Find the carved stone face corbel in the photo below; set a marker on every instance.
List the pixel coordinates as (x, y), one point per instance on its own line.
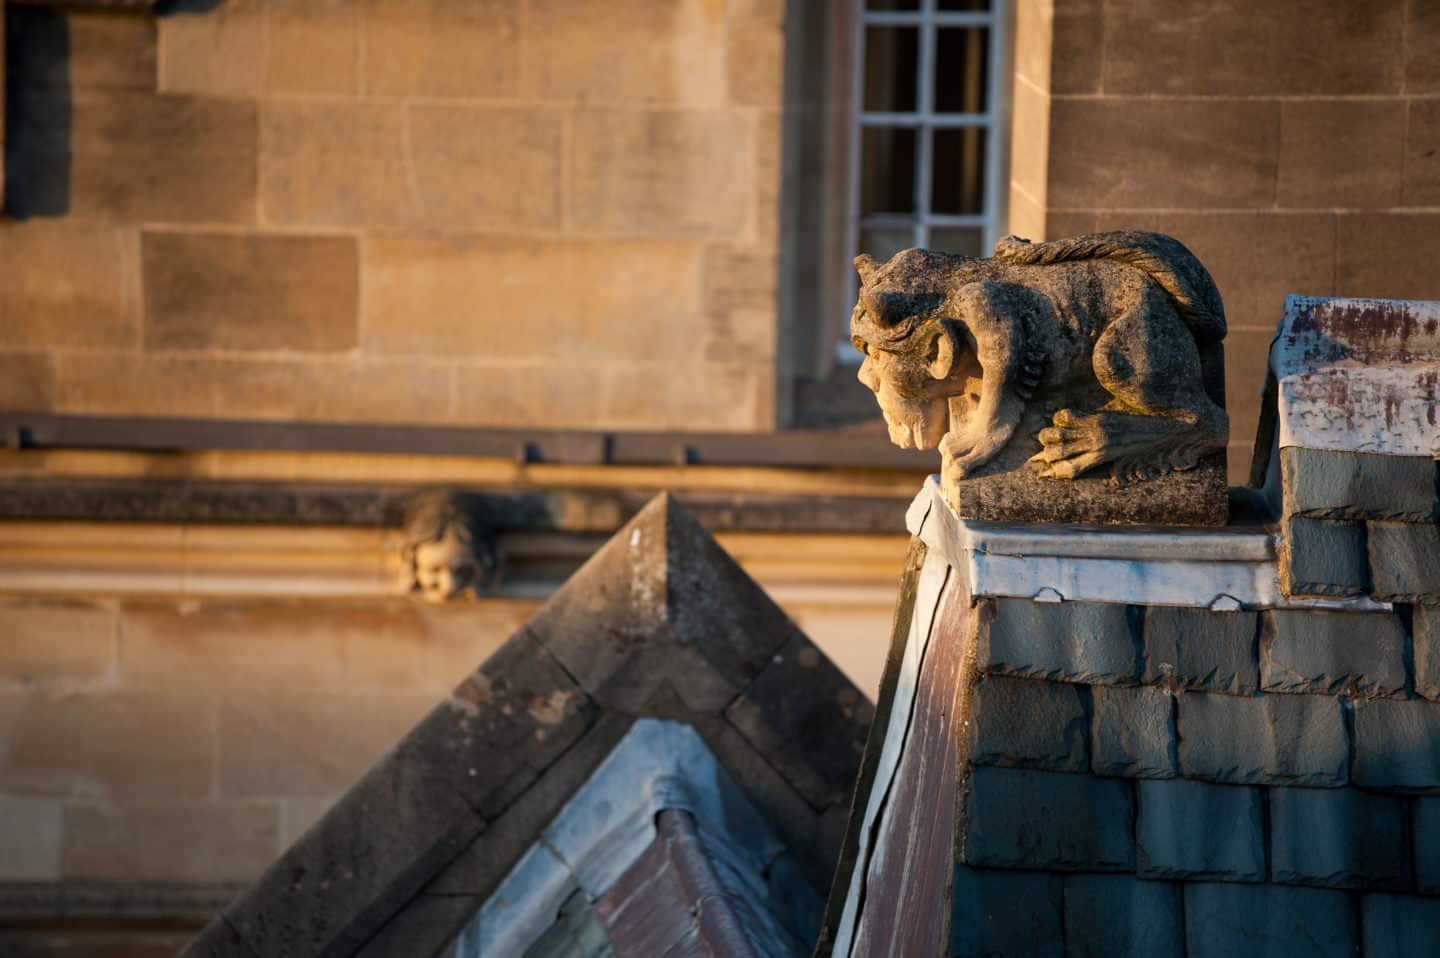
(1095, 361)
(449, 554)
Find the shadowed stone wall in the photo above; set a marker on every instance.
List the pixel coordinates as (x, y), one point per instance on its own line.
(1291, 146)
(549, 212)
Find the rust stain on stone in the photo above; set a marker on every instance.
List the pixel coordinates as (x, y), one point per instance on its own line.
(553, 708)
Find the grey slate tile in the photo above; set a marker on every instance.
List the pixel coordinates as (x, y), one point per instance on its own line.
(1195, 830)
(1018, 818)
(1425, 627)
(1324, 557)
(1005, 913)
(1028, 723)
(1339, 837)
(1263, 739)
(1336, 484)
(1313, 651)
(1071, 641)
(1426, 831)
(1400, 927)
(1108, 915)
(1397, 744)
(1200, 649)
(1132, 732)
(1268, 921)
(1405, 561)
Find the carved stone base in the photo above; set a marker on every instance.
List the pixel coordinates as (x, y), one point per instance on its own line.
(1196, 497)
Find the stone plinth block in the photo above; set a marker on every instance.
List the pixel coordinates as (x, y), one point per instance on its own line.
(1342, 837)
(1072, 641)
(1006, 913)
(1268, 921)
(1426, 630)
(1330, 484)
(1028, 723)
(1324, 557)
(1018, 818)
(1117, 915)
(1196, 648)
(1133, 732)
(1079, 380)
(1265, 739)
(1195, 830)
(1399, 927)
(1314, 651)
(1427, 844)
(1405, 561)
(1397, 745)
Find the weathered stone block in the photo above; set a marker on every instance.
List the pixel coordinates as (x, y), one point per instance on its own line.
(1425, 629)
(1194, 830)
(30, 839)
(1118, 915)
(68, 284)
(420, 295)
(338, 163)
(1314, 651)
(1422, 152)
(279, 742)
(1397, 744)
(441, 48)
(1196, 648)
(1341, 153)
(45, 641)
(115, 53)
(250, 292)
(1018, 818)
(312, 47)
(1327, 484)
(1324, 557)
(674, 173)
(466, 158)
(1006, 913)
(1405, 561)
(1073, 641)
(1268, 921)
(193, 841)
(1028, 724)
(648, 51)
(1427, 844)
(130, 744)
(1376, 250)
(1275, 739)
(806, 718)
(1341, 837)
(1230, 146)
(219, 52)
(1399, 927)
(27, 382)
(1133, 732)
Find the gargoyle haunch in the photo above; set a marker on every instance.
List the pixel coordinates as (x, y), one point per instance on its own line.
(1108, 345)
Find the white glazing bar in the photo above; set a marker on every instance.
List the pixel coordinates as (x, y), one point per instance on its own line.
(941, 120)
(941, 18)
(925, 134)
(994, 151)
(845, 353)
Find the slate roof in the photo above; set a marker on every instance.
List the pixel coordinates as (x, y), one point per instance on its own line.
(659, 625)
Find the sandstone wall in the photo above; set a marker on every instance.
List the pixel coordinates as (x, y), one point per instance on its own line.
(489, 212)
(1292, 146)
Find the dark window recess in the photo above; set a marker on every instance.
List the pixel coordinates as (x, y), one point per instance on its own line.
(888, 162)
(890, 63)
(961, 70)
(958, 171)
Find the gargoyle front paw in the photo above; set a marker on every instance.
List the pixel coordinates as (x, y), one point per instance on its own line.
(963, 453)
(1073, 445)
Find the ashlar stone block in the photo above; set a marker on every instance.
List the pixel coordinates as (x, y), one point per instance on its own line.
(1357, 485)
(1264, 739)
(1133, 732)
(1425, 630)
(1195, 830)
(1426, 831)
(1330, 652)
(1399, 927)
(1340, 837)
(1197, 648)
(1397, 744)
(1324, 557)
(1405, 561)
(1029, 724)
(1018, 818)
(1070, 641)
(1006, 913)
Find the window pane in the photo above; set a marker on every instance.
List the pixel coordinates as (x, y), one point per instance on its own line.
(961, 70)
(958, 184)
(962, 5)
(887, 164)
(890, 54)
(883, 242)
(965, 240)
(894, 4)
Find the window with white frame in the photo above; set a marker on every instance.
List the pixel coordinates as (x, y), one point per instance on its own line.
(925, 148)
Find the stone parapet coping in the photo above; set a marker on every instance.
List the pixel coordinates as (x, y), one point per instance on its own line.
(1224, 570)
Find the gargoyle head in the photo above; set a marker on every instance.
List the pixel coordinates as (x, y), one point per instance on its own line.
(917, 354)
(449, 553)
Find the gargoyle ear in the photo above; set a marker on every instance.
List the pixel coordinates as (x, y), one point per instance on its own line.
(866, 265)
(941, 350)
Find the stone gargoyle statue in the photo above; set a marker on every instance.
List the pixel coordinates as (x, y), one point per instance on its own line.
(1097, 357)
(448, 553)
